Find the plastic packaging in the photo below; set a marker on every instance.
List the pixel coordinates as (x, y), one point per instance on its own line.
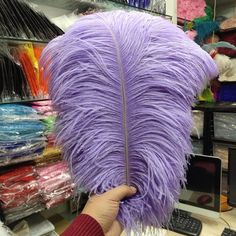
(198, 121)
(19, 193)
(21, 133)
(221, 150)
(197, 146)
(55, 183)
(20, 212)
(225, 126)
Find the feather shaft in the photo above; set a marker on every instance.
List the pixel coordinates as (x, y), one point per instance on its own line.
(124, 106)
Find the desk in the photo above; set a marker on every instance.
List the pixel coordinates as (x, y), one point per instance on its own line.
(213, 227)
(210, 227)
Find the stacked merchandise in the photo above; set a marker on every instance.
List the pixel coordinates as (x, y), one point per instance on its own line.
(26, 133)
(28, 189)
(19, 70)
(55, 183)
(216, 35)
(226, 61)
(52, 153)
(21, 134)
(54, 178)
(34, 225)
(19, 193)
(85, 7)
(18, 19)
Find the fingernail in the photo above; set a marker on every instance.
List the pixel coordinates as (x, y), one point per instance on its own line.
(133, 189)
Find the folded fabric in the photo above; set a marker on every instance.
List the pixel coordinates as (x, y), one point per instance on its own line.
(55, 183)
(20, 212)
(228, 23)
(16, 175)
(19, 194)
(188, 9)
(227, 92)
(36, 225)
(19, 110)
(229, 37)
(5, 231)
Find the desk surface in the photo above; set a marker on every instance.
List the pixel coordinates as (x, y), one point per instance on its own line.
(210, 227)
(214, 227)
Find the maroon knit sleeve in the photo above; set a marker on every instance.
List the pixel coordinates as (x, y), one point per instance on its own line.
(84, 225)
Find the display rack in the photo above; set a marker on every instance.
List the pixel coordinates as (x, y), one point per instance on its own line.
(24, 101)
(71, 5)
(208, 124)
(22, 40)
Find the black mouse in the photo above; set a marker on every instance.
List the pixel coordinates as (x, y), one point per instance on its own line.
(204, 199)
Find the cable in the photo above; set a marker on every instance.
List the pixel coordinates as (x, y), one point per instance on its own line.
(225, 221)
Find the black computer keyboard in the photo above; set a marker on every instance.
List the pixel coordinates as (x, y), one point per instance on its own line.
(181, 222)
(228, 232)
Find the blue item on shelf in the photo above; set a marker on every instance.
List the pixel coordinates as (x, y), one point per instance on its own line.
(227, 92)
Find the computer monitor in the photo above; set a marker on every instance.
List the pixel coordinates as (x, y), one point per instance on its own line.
(203, 188)
(232, 177)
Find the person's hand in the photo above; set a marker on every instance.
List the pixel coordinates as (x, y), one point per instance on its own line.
(105, 207)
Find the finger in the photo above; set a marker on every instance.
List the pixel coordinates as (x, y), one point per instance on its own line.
(115, 229)
(118, 193)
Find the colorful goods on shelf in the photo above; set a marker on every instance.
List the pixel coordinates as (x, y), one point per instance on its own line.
(21, 134)
(19, 70)
(19, 193)
(52, 152)
(188, 9)
(27, 189)
(55, 183)
(20, 20)
(218, 38)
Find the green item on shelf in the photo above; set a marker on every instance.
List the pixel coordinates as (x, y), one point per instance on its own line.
(208, 17)
(207, 95)
(49, 122)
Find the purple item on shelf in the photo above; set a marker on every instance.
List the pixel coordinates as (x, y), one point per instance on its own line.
(123, 85)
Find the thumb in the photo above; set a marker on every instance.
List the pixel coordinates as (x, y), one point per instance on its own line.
(120, 192)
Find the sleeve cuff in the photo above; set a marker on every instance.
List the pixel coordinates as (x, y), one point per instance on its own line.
(84, 225)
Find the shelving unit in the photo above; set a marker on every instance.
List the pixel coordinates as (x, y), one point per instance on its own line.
(209, 138)
(22, 40)
(70, 5)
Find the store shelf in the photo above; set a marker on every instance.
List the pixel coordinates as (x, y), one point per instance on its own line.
(24, 101)
(18, 161)
(71, 5)
(221, 2)
(196, 138)
(22, 40)
(140, 9)
(227, 30)
(223, 141)
(216, 107)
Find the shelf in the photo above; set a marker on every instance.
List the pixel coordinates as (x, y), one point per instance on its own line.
(140, 9)
(225, 171)
(227, 30)
(224, 141)
(25, 101)
(221, 2)
(18, 161)
(196, 138)
(71, 5)
(22, 40)
(216, 107)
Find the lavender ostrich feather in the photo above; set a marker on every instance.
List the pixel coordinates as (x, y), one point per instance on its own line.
(123, 84)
